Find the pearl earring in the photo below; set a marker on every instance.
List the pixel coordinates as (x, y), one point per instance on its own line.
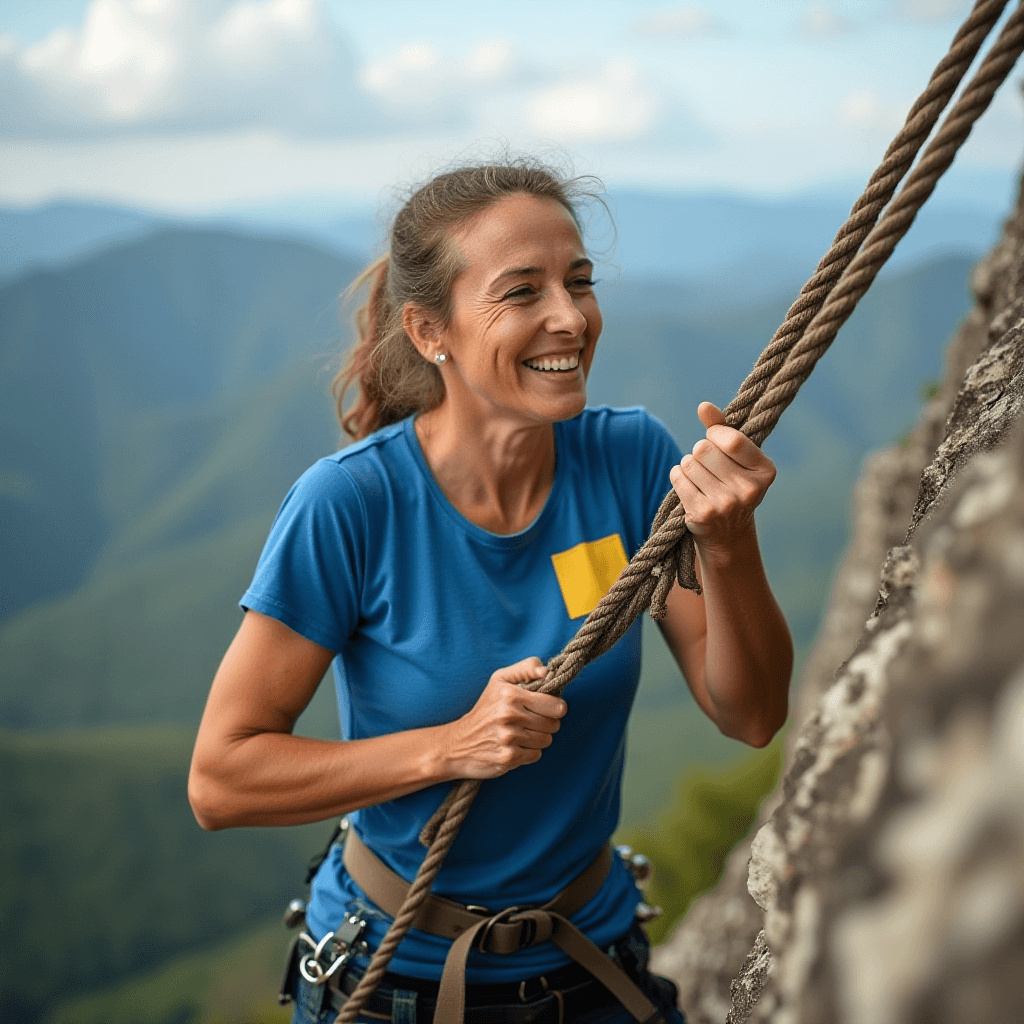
(440, 359)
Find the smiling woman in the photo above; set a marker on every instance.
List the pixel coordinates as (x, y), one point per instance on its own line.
(518, 344)
(482, 512)
(413, 284)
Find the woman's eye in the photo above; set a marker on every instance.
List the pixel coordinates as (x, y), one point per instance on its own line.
(526, 291)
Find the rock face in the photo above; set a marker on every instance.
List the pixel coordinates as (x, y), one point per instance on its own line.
(888, 874)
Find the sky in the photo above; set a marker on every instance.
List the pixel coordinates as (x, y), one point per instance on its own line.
(194, 106)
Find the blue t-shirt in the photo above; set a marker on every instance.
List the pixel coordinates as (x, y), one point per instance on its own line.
(369, 559)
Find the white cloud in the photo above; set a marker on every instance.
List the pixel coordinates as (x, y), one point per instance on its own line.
(865, 109)
(414, 65)
(679, 23)
(860, 106)
(612, 105)
(491, 62)
(822, 21)
(932, 10)
(419, 79)
(145, 65)
(492, 88)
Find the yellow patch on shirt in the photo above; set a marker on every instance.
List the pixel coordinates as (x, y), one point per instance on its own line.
(586, 572)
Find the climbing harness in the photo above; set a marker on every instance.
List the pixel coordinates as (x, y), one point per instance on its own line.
(859, 250)
(324, 962)
(557, 997)
(504, 931)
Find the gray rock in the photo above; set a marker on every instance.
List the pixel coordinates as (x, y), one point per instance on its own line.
(707, 950)
(746, 990)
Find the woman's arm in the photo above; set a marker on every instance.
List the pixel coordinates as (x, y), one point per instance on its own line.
(732, 642)
(248, 769)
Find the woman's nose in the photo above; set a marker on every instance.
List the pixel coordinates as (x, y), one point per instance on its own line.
(563, 315)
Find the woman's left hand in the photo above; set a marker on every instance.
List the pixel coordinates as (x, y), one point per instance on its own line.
(721, 483)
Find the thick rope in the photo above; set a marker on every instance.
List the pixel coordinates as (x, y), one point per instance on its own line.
(830, 296)
(859, 273)
(880, 188)
(895, 223)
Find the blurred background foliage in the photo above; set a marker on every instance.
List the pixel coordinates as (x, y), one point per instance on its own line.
(710, 811)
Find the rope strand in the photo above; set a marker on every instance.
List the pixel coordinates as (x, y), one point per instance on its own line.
(880, 189)
(894, 224)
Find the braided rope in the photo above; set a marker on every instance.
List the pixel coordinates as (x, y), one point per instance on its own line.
(894, 224)
(880, 188)
(811, 325)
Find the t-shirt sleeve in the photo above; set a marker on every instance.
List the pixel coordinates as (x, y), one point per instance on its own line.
(660, 454)
(310, 573)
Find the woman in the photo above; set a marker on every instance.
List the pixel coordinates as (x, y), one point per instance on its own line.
(481, 515)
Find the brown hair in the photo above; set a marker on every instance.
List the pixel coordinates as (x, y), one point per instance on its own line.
(391, 377)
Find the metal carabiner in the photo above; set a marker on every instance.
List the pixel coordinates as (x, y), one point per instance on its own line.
(309, 965)
(346, 942)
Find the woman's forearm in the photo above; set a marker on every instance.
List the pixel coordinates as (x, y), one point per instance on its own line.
(272, 778)
(748, 654)
(733, 645)
(248, 768)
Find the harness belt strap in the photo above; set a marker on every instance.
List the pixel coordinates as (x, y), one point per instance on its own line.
(449, 919)
(503, 932)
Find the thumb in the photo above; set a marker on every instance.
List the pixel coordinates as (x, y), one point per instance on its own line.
(710, 415)
(524, 671)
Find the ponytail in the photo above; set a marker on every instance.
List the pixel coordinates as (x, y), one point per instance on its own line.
(362, 367)
(392, 380)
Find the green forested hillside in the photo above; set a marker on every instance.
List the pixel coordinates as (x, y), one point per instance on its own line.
(105, 873)
(664, 348)
(187, 472)
(232, 982)
(153, 373)
(156, 402)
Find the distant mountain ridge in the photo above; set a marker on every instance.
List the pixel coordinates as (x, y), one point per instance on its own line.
(130, 375)
(46, 236)
(743, 249)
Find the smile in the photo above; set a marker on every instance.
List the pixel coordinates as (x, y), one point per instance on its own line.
(549, 365)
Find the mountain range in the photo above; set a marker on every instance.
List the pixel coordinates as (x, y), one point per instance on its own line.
(159, 398)
(720, 241)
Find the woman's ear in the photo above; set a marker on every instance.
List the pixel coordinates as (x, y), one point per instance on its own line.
(422, 330)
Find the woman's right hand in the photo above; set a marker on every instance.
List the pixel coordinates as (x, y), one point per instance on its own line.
(508, 726)
(248, 768)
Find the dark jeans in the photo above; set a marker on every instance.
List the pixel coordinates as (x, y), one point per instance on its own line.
(312, 1008)
(308, 1003)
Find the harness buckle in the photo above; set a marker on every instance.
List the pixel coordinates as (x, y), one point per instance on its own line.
(499, 918)
(529, 932)
(529, 920)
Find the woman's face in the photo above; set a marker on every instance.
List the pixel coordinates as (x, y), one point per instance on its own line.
(524, 317)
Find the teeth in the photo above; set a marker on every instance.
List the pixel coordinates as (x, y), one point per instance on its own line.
(547, 363)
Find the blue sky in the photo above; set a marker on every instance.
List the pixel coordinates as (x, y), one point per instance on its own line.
(198, 105)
